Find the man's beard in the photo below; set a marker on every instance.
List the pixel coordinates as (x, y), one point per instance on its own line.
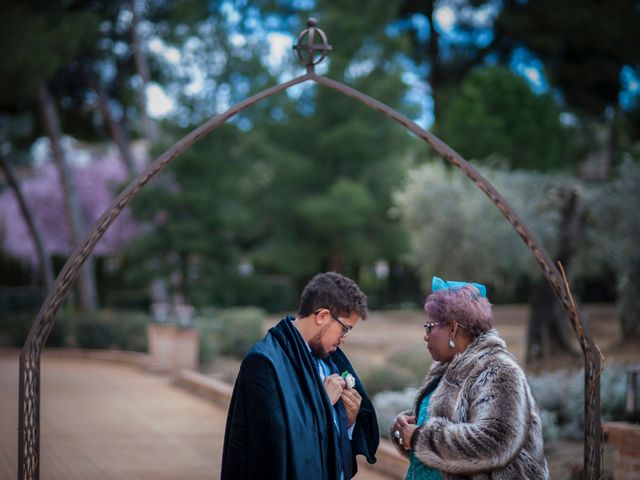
(316, 345)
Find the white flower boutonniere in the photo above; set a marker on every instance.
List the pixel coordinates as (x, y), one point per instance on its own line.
(349, 379)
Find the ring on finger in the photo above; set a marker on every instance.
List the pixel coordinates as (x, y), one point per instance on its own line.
(397, 435)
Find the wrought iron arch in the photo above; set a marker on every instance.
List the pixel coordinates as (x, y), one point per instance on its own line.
(310, 54)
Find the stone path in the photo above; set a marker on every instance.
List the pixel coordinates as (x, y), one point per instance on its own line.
(102, 420)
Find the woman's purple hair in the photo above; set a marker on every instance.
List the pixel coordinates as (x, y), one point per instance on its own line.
(464, 305)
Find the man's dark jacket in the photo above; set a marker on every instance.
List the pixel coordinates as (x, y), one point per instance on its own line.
(280, 420)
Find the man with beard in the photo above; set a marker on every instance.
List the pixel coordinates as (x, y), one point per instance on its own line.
(292, 414)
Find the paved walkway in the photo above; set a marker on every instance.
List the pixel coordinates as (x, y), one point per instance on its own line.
(102, 420)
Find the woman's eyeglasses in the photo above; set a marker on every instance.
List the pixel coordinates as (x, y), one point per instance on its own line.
(429, 326)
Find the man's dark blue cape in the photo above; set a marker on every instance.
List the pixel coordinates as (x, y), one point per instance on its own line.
(280, 420)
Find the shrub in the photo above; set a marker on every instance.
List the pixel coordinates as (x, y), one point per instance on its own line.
(416, 361)
(561, 395)
(550, 391)
(389, 404)
(117, 329)
(208, 340)
(15, 327)
(21, 299)
(122, 330)
(388, 377)
(550, 428)
(94, 334)
(231, 331)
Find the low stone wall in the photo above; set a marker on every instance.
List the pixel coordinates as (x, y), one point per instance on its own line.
(625, 440)
(117, 356)
(172, 348)
(205, 387)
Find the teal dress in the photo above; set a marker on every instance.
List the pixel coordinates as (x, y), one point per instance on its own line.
(417, 469)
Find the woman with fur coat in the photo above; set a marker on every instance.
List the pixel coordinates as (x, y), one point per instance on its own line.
(475, 417)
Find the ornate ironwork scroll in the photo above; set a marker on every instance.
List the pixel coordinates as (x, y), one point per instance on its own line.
(309, 53)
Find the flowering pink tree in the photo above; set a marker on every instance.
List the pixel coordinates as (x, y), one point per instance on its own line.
(97, 184)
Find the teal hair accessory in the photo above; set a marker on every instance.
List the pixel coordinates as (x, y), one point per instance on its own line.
(438, 284)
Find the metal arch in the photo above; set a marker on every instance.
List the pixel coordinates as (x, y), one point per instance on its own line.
(29, 422)
(30, 355)
(593, 434)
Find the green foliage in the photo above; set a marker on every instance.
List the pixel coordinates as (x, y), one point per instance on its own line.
(334, 162)
(37, 40)
(415, 361)
(404, 368)
(291, 188)
(583, 43)
(496, 113)
(208, 342)
(15, 326)
(20, 299)
(340, 217)
(387, 377)
(456, 232)
(110, 329)
(614, 242)
(231, 331)
(206, 212)
(104, 329)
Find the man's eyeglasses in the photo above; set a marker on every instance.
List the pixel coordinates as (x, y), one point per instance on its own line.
(429, 326)
(346, 329)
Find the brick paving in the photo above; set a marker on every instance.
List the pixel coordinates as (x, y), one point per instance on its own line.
(102, 420)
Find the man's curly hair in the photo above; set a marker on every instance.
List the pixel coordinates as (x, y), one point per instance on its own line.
(333, 291)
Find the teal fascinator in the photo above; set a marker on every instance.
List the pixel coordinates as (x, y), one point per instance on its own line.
(439, 284)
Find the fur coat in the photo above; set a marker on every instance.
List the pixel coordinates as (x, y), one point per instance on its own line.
(483, 421)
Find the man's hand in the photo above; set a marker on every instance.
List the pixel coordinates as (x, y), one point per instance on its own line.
(334, 385)
(351, 400)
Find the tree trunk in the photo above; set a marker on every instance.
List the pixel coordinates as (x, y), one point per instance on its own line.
(434, 58)
(548, 332)
(44, 261)
(86, 285)
(335, 263)
(117, 133)
(612, 144)
(149, 127)
(629, 302)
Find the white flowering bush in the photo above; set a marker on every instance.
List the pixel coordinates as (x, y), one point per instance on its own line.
(549, 389)
(389, 404)
(560, 396)
(550, 428)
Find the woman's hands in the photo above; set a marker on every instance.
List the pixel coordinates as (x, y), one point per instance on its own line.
(403, 429)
